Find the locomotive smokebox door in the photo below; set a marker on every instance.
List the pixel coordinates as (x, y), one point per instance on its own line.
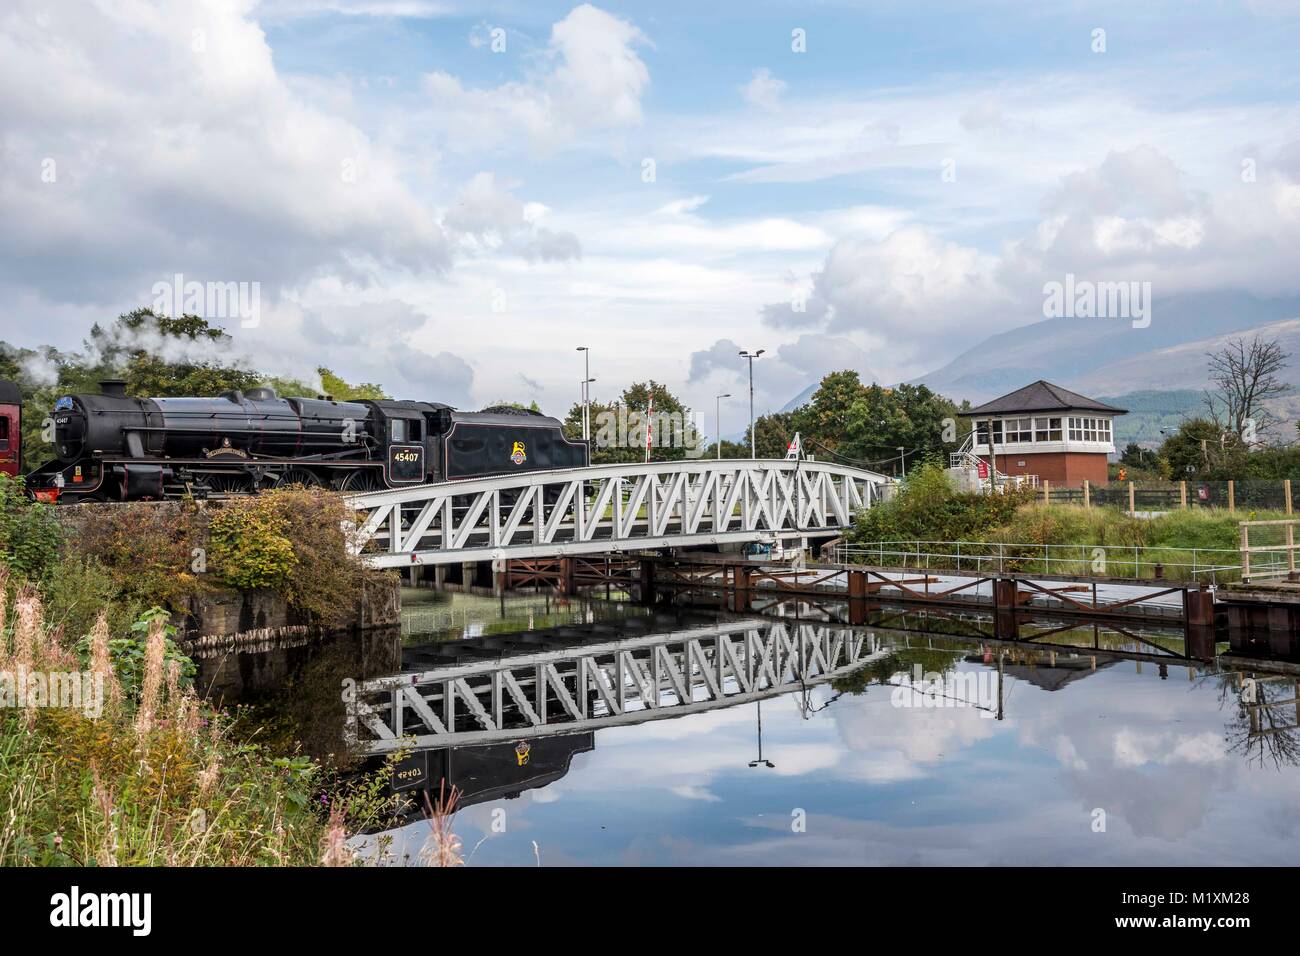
(405, 463)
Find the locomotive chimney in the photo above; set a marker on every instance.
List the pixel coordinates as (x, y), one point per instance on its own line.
(113, 387)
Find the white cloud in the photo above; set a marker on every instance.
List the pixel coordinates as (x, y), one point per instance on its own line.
(174, 146)
(589, 78)
(763, 90)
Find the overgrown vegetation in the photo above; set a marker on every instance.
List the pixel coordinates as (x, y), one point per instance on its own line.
(1015, 527)
(927, 507)
(154, 779)
(135, 556)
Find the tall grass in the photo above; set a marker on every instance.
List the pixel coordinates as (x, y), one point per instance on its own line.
(156, 781)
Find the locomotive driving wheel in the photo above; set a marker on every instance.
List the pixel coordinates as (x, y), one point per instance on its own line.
(298, 476)
(363, 479)
(228, 483)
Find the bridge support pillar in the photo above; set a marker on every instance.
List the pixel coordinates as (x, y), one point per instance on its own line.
(647, 595)
(740, 588)
(568, 585)
(857, 597)
(1198, 621)
(1005, 599)
(440, 576)
(468, 569)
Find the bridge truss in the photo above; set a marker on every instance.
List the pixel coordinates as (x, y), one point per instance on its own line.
(592, 686)
(609, 508)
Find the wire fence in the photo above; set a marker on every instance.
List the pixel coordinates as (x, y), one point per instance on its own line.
(1137, 562)
(1158, 496)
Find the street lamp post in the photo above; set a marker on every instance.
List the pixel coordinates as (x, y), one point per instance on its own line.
(586, 404)
(717, 420)
(586, 417)
(753, 444)
(902, 457)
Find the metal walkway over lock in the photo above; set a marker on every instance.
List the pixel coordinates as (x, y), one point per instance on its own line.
(591, 686)
(607, 508)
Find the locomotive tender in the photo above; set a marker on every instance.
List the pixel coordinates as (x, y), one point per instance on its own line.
(113, 447)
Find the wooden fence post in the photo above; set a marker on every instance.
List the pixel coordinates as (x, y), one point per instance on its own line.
(1182, 494)
(1132, 507)
(1286, 490)
(1232, 495)
(1047, 492)
(1290, 552)
(1245, 553)
(1087, 494)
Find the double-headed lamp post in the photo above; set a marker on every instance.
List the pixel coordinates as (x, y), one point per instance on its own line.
(586, 379)
(717, 419)
(753, 444)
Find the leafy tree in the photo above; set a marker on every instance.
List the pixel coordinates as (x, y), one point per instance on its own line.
(1202, 449)
(864, 424)
(1133, 454)
(618, 429)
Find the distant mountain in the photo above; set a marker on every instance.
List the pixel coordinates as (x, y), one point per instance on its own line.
(803, 398)
(1153, 414)
(1186, 365)
(1069, 351)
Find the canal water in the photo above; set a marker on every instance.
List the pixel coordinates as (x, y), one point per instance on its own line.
(999, 756)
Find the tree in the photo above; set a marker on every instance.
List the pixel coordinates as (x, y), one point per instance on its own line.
(618, 428)
(864, 424)
(1244, 375)
(1201, 448)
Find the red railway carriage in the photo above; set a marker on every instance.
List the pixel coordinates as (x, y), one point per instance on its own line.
(11, 433)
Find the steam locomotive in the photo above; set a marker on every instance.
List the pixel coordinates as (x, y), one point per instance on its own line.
(112, 447)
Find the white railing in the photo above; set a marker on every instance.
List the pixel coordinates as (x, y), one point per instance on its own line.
(620, 507)
(1076, 560)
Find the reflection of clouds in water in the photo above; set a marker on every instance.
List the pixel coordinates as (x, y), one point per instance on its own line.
(1148, 752)
(689, 792)
(1134, 748)
(889, 785)
(879, 735)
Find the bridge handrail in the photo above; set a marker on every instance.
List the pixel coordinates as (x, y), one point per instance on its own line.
(529, 479)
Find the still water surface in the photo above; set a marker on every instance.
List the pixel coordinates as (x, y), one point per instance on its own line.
(1117, 763)
(861, 773)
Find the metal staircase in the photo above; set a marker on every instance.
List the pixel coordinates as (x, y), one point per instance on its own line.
(965, 459)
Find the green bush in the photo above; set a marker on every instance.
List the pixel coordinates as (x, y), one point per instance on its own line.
(77, 588)
(248, 547)
(30, 534)
(927, 508)
(147, 550)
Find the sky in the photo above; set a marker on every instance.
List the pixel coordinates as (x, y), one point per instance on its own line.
(450, 198)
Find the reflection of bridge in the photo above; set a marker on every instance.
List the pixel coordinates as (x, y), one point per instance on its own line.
(582, 688)
(609, 508)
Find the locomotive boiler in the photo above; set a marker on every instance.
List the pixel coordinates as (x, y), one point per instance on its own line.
(111, 446)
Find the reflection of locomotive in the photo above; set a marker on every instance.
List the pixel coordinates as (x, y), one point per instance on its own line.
(488, 772)
(111, 446)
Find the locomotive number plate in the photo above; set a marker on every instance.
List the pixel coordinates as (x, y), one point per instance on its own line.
(406, 463)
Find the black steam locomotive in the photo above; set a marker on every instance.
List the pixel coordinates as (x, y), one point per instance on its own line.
(111, 447)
